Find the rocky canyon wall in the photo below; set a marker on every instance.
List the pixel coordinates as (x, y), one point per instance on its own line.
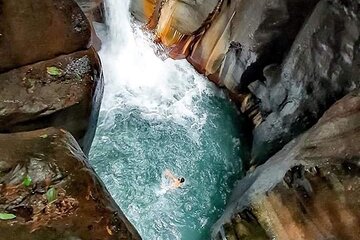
(51, 86)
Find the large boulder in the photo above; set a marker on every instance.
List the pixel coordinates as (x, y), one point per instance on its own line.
(322, 66)
(309, 190)
(63, 92)
(95, 12)
(245, 37)
(36, 30)
(52, 192)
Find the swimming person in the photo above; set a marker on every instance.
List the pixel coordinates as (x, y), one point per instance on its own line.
(175, 182)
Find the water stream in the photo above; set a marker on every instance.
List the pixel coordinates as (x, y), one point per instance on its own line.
(157, 115)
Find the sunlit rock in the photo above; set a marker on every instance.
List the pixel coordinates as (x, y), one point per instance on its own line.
(63, 92)
(143, 10)
(52, 192)
(309, 190)
(322, 66)
(175, 22)
(36, 30)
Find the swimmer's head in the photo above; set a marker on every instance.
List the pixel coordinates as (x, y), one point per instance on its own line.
(181, 180)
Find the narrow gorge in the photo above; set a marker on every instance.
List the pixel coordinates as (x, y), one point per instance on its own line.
(106, 104)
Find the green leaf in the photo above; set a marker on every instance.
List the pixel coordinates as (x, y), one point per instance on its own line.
(54, 71)
(51, 195)
(7, 216)
(27, 181)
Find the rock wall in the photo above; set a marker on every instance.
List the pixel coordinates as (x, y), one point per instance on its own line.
(61, 198)
(309, 190)
(284, 62)
(51, 86)
(95, 12)
(49, 74)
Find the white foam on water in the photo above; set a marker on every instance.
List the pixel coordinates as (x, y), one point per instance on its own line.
(137, 78)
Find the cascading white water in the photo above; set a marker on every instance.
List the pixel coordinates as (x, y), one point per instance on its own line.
(159, 115)
(161, 89)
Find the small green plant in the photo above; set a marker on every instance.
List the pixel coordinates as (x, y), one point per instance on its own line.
(7, 216)
(51, 195)
(54, 71)
(27, 181)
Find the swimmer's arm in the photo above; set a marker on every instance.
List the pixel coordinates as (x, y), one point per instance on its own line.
(168, 174)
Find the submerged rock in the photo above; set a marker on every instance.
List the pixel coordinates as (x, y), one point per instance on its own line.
(63, 92)
(46, 182)
(322, 66)
(37, 30)
(309, 190)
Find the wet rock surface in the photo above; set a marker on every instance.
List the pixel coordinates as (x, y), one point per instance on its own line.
(37, 30)
(309, 190)
(63, 92)
(46, 182)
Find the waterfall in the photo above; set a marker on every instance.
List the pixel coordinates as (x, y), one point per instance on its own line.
(156, 115)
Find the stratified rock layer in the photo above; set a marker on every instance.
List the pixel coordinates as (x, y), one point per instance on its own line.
(79, 206)
(31, 98)
(309, 190)
(37, 30)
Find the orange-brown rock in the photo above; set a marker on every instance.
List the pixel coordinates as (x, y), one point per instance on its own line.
(36, 30)
(228, 39)
(309, 190)
(62, 198)
(32, 97)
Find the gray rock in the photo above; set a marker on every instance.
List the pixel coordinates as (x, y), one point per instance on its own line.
(322, 66)
(308, 190)
(30, 98)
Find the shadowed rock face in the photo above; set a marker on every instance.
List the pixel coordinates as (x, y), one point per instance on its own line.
(309, 190)
(31, 98)
(95, 12)
(36, 30)
(93, 9)
(80, 206)
(322, 66)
